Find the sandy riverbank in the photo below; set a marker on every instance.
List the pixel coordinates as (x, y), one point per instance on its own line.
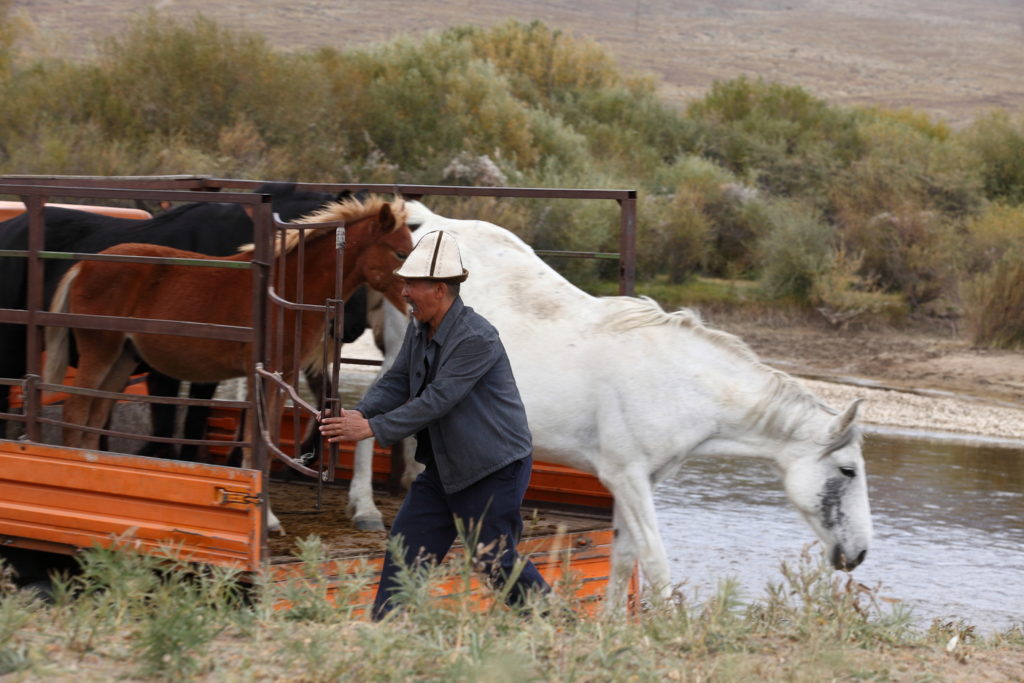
(911, 380)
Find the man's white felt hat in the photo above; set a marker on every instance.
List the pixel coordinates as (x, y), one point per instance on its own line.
(436, 257)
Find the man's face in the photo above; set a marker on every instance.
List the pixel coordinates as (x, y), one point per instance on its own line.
(424, 297)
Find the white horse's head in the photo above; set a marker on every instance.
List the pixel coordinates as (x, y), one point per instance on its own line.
(829, 487)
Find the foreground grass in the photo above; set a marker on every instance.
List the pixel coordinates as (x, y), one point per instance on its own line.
(129, 617)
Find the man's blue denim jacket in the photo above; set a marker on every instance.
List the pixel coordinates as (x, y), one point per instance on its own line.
(471, 407)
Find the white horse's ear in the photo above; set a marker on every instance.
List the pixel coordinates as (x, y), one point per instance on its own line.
(842, 423)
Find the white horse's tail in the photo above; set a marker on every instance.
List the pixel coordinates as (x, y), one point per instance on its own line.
(58, 349)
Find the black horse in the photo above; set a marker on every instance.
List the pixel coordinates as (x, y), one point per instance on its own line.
(213, 228)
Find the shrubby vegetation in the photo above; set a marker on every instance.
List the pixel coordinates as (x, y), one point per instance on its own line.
(825, 206)
(128, 615)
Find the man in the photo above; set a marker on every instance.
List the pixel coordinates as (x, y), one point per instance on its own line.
(452, 386)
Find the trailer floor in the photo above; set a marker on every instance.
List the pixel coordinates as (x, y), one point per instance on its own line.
(295, 505)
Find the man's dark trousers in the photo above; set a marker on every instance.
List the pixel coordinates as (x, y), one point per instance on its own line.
(426, 523)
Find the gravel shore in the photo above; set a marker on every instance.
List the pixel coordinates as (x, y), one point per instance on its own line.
(955, 417)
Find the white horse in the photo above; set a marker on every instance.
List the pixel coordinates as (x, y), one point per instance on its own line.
(618, 387)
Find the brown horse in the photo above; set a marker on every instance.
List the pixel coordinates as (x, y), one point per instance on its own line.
(377, 241)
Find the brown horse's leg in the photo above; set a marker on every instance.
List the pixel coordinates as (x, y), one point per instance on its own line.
(116, 380)
(98, 353)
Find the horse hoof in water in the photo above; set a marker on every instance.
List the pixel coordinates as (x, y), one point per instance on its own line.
(368, 524)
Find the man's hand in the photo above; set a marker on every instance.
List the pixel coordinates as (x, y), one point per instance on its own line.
(350, 426)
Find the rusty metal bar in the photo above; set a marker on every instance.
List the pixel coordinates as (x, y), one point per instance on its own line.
(142, 398)
(334, 383)
(167, 182)
(207, 183)
(32, 399)
(295, 360)
(154, 260)
(141, 437)
(125, 258)
(627, 246)
(360, 361)
(289, 461)
(578, 254)
(439, 190)
(176, 328)
(263, 257)
(107, 192)
(266, 439)
(285, 303)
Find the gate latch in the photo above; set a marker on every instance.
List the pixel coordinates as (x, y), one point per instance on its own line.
(227, 497)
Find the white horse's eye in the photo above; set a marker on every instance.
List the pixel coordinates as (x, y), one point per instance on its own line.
(850, 472)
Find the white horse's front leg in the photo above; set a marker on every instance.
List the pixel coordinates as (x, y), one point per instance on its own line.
(623, 562)
(361, 508)
(637, 526)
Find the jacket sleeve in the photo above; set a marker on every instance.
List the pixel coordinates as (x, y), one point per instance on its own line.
(470, 360)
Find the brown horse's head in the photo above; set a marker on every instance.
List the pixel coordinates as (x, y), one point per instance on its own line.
(385, 254)
(377, 241)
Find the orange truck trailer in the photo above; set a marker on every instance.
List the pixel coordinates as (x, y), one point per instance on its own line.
(56, 501)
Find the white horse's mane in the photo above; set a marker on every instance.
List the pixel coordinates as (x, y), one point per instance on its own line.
(784, 391)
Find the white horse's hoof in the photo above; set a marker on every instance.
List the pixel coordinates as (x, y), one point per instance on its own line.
(368, 524)
(274, 525)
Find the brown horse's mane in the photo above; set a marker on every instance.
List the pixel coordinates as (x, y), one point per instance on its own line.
(348, 210)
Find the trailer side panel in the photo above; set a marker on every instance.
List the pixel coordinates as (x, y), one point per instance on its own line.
(62, 499)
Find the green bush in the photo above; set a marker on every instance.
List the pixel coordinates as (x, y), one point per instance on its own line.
(904, 162)
(909, 251)
(989, 235)
(993, 272)
(674, 235)
(994, 302)
(787, 140)
(797, 251)
(719, 205)
(997, 139)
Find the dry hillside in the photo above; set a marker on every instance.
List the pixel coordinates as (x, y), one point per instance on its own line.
(951, 58)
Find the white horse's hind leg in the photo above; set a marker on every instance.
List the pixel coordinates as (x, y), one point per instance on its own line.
(361, 508)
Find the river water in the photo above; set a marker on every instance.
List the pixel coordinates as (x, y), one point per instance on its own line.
(948, 520)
